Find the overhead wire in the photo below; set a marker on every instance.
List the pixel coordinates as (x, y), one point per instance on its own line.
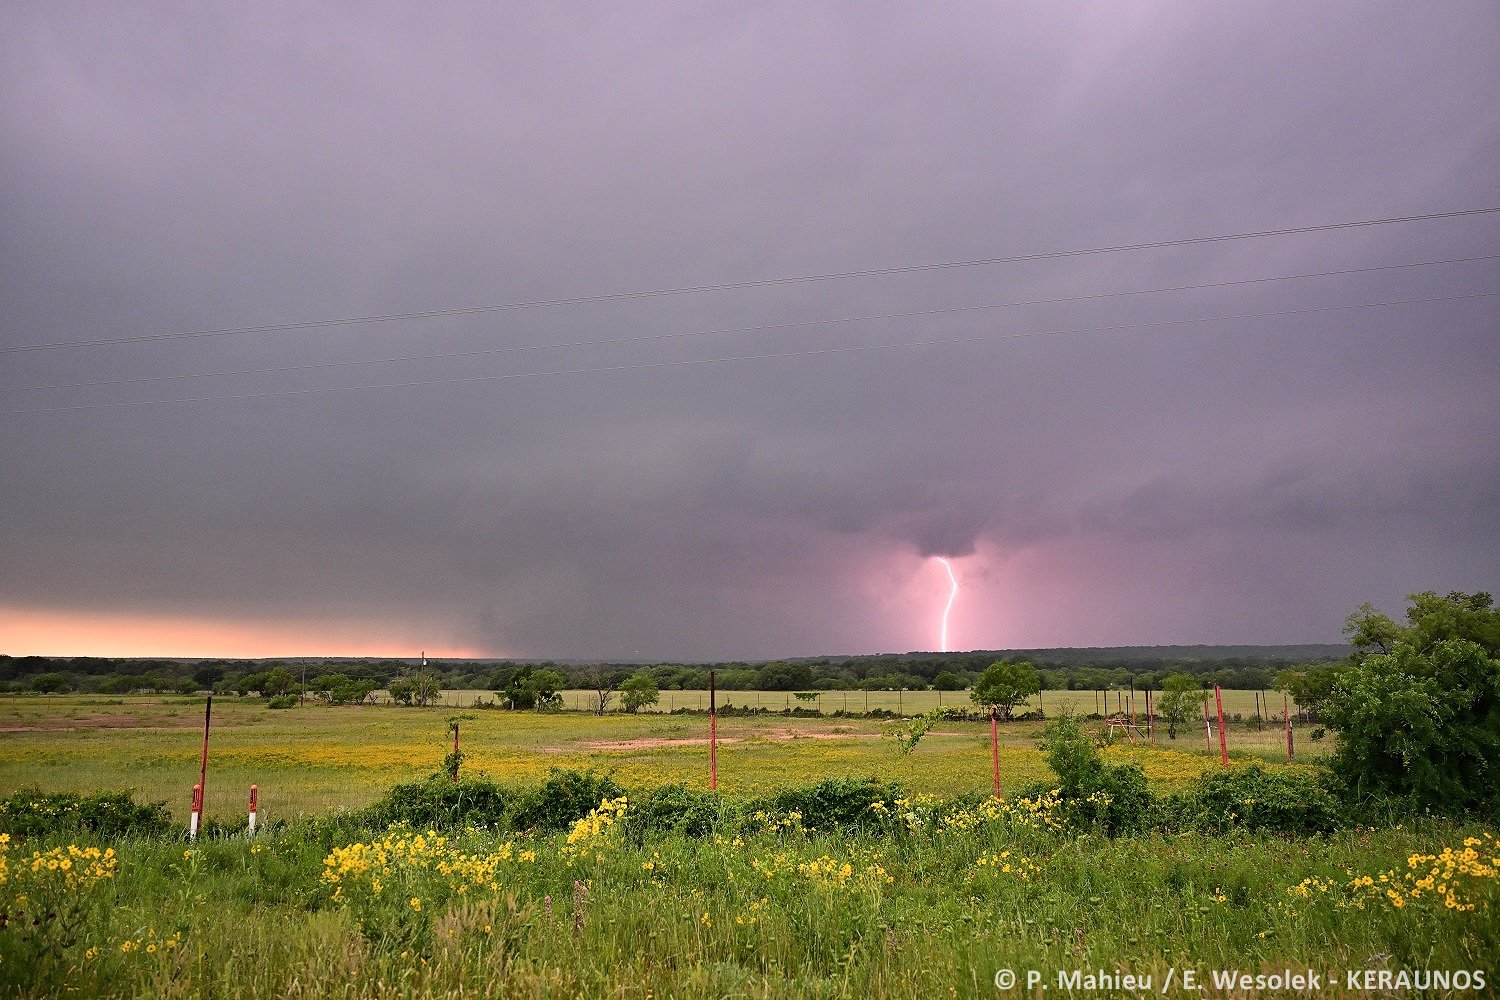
(820, 352)
(803, 324)
(753, 283)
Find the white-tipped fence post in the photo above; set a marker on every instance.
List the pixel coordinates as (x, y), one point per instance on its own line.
(197, 812)
(254, 802)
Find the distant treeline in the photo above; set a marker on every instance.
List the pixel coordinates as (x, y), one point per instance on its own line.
(1140, 667)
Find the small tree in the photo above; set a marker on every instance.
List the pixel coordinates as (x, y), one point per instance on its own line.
(949, 681)
(1180, 703)
(425, 688)
(1005, 684)
(603, 680)
(1420, 718)
(543, 689)
(639, 692)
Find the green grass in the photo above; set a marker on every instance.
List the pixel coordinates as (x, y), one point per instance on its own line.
(667, 915)
(671, 916)
(318, 759)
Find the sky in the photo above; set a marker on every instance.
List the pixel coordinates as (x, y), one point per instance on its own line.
(746, 467)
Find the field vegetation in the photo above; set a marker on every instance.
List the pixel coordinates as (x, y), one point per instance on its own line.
(569, 853)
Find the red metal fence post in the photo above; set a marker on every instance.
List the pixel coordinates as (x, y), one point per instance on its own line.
(1223, 741)
(1286, 716)
(995, 749)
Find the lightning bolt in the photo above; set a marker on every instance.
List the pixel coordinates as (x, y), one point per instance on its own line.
(951, 595)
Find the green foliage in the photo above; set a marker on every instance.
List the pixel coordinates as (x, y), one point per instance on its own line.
(676, 809)
(784, 677)
(910, 734)
(107, 814)
(542, 690)
(1112, 797)
(1294, 803)
(53, 683)
(949, 681)
(1005, 684)
(1421, 725)
(441, 804)
(1417, 712)
(283, 701)
(1180, 703)
(566, 796)
(1310, 686)
(831, 804)
(639, 691)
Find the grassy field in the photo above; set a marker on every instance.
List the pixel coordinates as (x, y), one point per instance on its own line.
(1242, 703)
(315, 759)
(937, 902)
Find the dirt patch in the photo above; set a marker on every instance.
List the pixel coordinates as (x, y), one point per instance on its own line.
(64, 725)
(657, 743)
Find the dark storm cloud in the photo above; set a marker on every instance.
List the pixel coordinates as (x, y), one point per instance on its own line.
(175, 168)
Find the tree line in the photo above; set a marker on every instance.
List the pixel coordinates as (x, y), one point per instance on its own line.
(341, 680)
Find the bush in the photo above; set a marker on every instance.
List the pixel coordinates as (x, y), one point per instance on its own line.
(108, 814)
(1418, 711)
(1114, 797)
(1285, 802)
(831, 804)
(565, 797)
(283, 701)
(676, 809)
(440, 804)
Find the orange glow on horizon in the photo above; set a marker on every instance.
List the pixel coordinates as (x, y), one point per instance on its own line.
(27, 632)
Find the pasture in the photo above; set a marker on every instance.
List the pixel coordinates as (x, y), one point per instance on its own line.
(316, 759)
(933, 893)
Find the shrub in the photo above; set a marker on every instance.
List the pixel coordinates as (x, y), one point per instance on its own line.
(676, 809)
(565, 797)
(832, 804)
(1285, 802)
(283, 701)
(109, 814)
(1418, 712)
(440, 803)
(1114, 797)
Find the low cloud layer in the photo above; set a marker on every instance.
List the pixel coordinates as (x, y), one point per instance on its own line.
(1138, 468)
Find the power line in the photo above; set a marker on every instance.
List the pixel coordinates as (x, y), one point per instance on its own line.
(751, 283)
(313, 366)
(821, 352)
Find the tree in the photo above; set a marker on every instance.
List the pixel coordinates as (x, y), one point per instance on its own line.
(1310, 686)
(949, 681)
(785, 677)
(639, 691)
(422, 688)
(1180, 702)
(400, 690)
(1418, 711)
(542, 688)
(603, 681)
(1005, 684)
(50, 683)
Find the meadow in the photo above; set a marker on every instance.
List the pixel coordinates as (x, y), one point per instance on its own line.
(934, 892)
(316, 759)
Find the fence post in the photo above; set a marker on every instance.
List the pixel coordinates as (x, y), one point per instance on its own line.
(254, 801)
(713, 735)
(1286, 715)
(1150, 719)
(1208, 729)
(1223, 740)
(995, 749)
(197, 812)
